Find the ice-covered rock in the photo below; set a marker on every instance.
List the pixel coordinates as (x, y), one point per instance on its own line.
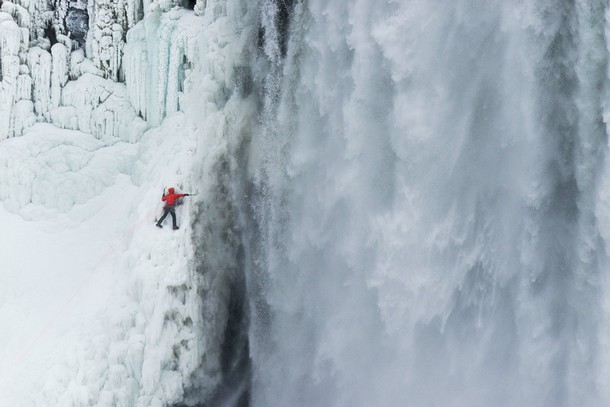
(79, 65)
(77, 24)
(18, 12)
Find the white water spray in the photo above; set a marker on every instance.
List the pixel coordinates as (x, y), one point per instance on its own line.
(426, 231)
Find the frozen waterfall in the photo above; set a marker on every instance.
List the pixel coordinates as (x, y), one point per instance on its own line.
(398, 203)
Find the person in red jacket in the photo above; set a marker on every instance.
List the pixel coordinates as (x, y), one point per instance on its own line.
(170, 203)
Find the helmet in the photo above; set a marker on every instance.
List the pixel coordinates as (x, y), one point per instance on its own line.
(171, 190)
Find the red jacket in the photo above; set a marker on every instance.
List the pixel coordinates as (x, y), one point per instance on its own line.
(170, 198)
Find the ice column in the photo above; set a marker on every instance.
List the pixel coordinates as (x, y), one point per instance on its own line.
(59, 73)
(157, 64)
(10, 37)
(39, 62)
(15, 84)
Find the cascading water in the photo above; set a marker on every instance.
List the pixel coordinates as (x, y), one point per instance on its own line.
(427, 204)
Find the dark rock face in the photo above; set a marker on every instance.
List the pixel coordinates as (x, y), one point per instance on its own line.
(77, 24)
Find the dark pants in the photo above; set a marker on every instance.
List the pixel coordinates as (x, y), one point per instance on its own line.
(172, 212)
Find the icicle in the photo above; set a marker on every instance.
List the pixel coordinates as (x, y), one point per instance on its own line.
(10, 38)
(118, 43)
(25, 39)
(39, 62)
(174, 75)
(137, 68)
(41, 73)
(155, 65)
(59, 73)
(24, 84)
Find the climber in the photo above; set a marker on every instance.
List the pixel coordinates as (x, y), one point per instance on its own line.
(170, 202)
